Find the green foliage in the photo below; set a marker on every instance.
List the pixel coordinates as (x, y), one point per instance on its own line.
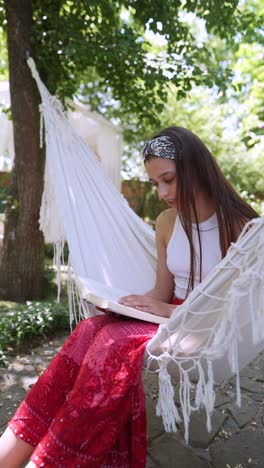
(103, 47)
(246, 58)
(10, 202)
(256, 203)
(3, 54)
(249, 68)
(76, 40)
(3, 196)
(49, 286)
(245, 172)
(4, 183)
(49, 252)
(21, 323)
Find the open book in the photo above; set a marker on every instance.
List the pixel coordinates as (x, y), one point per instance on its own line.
(107, 298)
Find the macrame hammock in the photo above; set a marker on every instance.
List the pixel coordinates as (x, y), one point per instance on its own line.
(220, 326)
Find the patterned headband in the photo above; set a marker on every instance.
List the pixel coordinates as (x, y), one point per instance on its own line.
(160, 147)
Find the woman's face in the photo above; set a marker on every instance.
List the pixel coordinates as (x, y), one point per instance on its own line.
(162, 174)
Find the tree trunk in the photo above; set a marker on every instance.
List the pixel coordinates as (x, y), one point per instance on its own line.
(22, 256)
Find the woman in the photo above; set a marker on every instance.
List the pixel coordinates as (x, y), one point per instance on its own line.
(88, 408)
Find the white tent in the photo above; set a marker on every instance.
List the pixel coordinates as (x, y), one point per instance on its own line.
(6, 130)
(102, 136)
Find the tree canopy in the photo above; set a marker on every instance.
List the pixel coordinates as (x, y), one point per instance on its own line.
(105, 41)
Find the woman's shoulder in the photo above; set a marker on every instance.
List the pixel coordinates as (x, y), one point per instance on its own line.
(167, 216)
(165, 224)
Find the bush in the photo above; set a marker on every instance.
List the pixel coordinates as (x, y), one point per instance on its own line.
(256, 203)
(32, 319)
(49, 252)
(5, 178)
(3, 196)
(49, 282)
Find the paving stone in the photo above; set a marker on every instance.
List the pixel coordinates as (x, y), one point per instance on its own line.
(253, 373)
(198, 434)
(150, 463)
(151, 384)
(245, 449)
(169, 452)
(14, 393)
(230, 426)
(177, 394)
(261, 416)
(49, 353)
(26, 360)
(259, 364)
(16, 366)
(10, 399)
(24, 377)
(154, 423)
(252, 386)
(258, 398)
(245, 413)
(221, 399)
(7, 379)
(6, 411)
(260, 376)
(41, 360)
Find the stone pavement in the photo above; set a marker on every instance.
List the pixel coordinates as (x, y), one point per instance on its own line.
(236, 439)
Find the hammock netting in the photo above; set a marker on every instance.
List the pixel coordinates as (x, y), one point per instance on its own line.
(220, 326)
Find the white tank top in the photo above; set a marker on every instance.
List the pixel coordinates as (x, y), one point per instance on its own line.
(178, 253)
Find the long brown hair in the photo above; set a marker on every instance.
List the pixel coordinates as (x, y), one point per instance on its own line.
(196, 168)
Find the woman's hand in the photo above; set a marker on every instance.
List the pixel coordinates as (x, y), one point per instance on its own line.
(147, 304)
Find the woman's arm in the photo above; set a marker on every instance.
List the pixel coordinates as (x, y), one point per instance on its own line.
(164, 285)
(158, 300)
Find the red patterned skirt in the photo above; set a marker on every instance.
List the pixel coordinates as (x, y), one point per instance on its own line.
(88, 408)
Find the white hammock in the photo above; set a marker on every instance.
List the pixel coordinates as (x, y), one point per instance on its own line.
(218, 329)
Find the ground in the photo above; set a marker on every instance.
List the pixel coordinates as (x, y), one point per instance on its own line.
(236, 439)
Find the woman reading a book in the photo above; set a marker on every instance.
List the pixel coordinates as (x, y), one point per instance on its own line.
(88, 408)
